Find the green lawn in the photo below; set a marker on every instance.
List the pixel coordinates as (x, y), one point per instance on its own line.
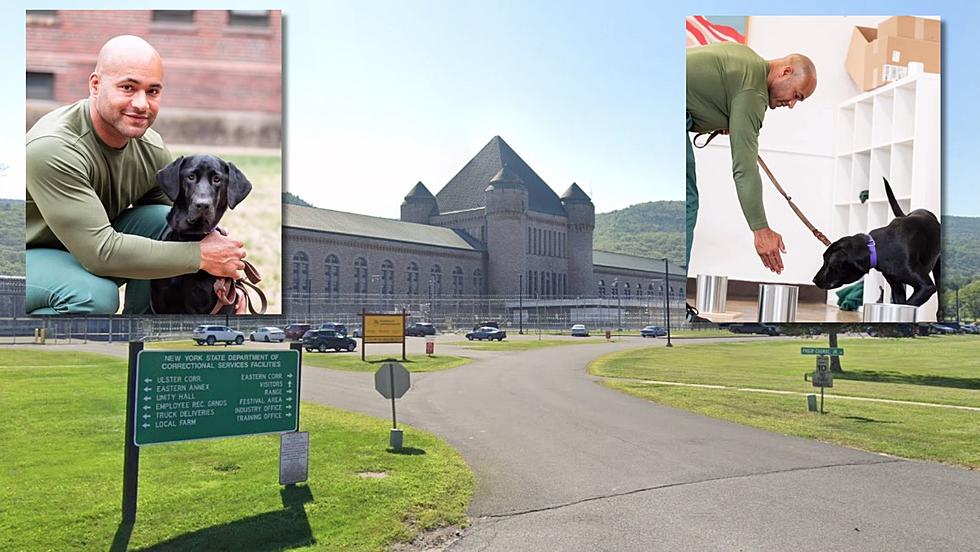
(60, 486)
(935, 369)
(352, 361)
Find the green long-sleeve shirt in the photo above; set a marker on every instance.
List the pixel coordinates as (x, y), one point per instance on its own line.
(76, 187)
(726, 88)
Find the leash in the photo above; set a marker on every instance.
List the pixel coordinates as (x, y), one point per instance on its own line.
(236, 292)
(816, 233)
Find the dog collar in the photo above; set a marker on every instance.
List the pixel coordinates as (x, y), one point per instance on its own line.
(873, 251)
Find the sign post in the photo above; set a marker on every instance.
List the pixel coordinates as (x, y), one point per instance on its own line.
(131, 452)
(823, 377)
(392, 380)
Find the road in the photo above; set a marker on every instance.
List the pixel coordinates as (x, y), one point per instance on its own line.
(563, 463)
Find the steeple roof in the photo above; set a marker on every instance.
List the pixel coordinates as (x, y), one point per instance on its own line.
(466, 189)
(419, 191)
(574, 193)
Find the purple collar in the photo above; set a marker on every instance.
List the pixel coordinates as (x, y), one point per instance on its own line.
(873, 251)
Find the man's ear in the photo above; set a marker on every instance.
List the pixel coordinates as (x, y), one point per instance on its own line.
(238, 186)
(168, 178)
(93, 84)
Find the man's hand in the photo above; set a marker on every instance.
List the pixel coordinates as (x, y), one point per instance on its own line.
(222, 256)
(769, 245)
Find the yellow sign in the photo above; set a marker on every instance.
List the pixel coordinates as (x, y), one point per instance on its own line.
(384, 328)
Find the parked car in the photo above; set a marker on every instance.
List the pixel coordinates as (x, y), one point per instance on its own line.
(420, 329)
(653, 331)
(764, 329)
(295, 332)
(942, 328)
(970, 328)
(490, 324)
(579, 330)
(213, 334)
(322, 340)
(356, 332)
(267, 334)
(335, 326)
(487, 332)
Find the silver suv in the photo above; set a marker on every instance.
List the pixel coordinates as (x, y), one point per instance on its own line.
(211, 334)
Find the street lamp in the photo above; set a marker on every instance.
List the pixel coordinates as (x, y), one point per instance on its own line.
(520, 308)
(667, 298)
(619, 304)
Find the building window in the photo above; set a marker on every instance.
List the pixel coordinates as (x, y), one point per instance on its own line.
(42, 17)
(602, 288)
(626, 290)
(477, 282)
(248, 18)
(457, 281)
(180, 17)
(40, 86)
(331, 274)
(528, 240)
(564, 284)
(388, 278)
(360, 275)
(435, 281)
(301, 272)
(412, 276)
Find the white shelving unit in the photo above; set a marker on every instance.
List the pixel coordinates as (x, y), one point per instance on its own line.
(891, 132)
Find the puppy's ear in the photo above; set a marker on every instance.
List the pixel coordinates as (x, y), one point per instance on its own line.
(238, 186)
(168, 178)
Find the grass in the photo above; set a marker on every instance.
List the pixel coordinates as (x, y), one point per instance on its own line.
(258, 220)
(934, 370)
(60, 486)
(352, 361)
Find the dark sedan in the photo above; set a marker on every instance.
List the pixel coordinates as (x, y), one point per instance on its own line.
(653, 331)
(322, 340)
(488, 333)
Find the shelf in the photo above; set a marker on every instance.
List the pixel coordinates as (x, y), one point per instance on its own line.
(881, 124)
(845, 129)
(880, 168)
(904, 115)
(900, 173)
(863, 117)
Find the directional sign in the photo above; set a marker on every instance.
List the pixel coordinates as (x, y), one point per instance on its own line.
(832, 351)
(823, 377)
(392, 380)
(185, 395)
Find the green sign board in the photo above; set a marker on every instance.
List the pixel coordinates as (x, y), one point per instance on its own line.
(832, 351)
(185, 395)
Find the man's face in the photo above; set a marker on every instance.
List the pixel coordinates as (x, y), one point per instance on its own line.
(127, 99)
(790, 87)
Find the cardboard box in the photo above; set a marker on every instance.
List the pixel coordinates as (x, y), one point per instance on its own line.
(915, 28)
(893, 43)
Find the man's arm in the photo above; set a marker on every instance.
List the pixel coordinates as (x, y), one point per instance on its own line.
(745, 121)
(59, 186)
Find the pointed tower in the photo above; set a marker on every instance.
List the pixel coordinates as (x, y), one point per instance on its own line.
(506, 215)
(419, 205)
(581, 223)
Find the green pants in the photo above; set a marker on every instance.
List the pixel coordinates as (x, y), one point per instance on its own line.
(58, 284)
(692, 195)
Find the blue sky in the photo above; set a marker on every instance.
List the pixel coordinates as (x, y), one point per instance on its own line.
(380, 95)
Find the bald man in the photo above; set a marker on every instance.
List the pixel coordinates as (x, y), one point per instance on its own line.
(729, 88)
(95, 215)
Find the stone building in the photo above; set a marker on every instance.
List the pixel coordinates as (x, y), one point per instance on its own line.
(496, 229)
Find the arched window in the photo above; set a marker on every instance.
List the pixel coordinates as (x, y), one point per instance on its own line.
(412, 277)
(388, 278)
(626, 290)
(602, 288)
(435, 281)
(457, 281)
(478, 282)
(301, 272)
(639, 289)
(331, 274)
(360, 275)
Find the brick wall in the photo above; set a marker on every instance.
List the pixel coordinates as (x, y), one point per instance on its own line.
(207, 64)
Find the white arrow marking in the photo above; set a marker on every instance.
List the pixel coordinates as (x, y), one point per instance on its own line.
(145, 416)
(146, 425)
(147, 389)
(146, 398)
(146, 407)
(147, 380)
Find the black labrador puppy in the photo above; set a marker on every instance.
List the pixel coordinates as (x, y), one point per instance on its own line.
(201, 187)
(905, 252)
